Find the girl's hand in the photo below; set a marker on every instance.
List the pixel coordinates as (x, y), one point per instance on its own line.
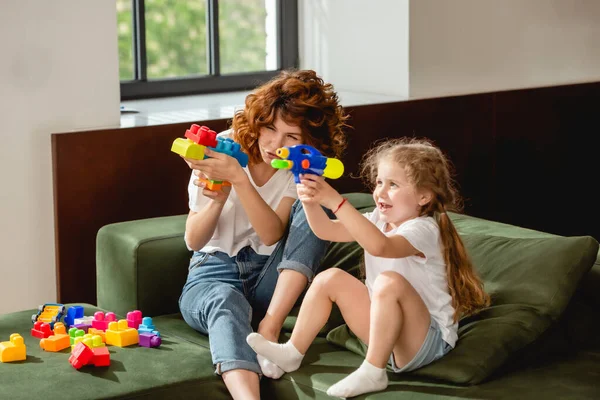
(219, 167)
(314, 189)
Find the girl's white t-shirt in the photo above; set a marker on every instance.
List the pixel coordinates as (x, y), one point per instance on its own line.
(233, 231)
(426, 274)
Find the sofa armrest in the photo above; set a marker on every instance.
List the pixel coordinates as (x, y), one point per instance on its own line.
(141, 265)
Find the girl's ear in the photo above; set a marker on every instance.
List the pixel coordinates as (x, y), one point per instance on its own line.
(425, 197)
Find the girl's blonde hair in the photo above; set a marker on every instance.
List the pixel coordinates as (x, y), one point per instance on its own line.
(301, 98)
(427, 168)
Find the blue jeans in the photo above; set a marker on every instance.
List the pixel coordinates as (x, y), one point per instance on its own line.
(223, 294)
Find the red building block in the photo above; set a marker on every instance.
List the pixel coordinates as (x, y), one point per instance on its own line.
(81, 355)
(41, 330)
(202, 135)
(101, 357)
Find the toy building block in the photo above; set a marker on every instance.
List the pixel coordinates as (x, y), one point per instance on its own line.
(98, 332)
(91, 341)
(57, 342)
(149, 340)
(41, 330)
(102, 321)
(13, 350)
(134, 319)
(83, 320)
(119, 334)
(197, 139)
(72, 313)
(101, 357)
(83, 327)
(81, 355)
(49, 313)
(148, 327)
(75, 333)
(304, 159)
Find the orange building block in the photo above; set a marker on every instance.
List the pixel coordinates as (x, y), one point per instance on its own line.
(98, 332)
(13, 350)
(57, 342)
(121, 335)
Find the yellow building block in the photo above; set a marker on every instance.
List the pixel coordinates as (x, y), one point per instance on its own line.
(121, 335)
(187, 148)
(57, 342)
(89, 340)
(14, 350)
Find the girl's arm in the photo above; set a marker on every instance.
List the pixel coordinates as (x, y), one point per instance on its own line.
(323, 227)
(356, 226)
(371, 238)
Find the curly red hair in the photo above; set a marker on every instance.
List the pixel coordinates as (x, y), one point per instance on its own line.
(298, 97)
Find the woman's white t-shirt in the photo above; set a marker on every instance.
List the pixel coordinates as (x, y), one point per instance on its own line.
(426, 274)
(233, 231)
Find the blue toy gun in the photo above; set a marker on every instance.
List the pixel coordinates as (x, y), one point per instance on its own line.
(304, 159)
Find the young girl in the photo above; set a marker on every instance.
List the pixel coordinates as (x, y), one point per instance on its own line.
(419, 280)
(254, 252)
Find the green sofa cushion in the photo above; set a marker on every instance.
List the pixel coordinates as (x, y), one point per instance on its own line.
(531, 281)
(174, 370)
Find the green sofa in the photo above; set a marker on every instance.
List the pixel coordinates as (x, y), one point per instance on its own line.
(537, 340)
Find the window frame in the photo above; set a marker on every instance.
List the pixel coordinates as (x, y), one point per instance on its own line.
(140, 87)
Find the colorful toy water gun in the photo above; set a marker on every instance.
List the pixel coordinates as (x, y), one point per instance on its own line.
(303, 159)
(197, 139)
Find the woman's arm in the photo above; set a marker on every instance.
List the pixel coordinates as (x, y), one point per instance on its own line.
(200, 226)
(269, 224)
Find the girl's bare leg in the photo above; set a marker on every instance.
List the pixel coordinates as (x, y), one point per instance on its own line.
(331, 286)
(399, 323)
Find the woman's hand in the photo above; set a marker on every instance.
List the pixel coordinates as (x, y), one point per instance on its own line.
(219, 196)
(218, 167)
(314, 189)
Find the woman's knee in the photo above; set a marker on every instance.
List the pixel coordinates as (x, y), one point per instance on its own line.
(390, 284)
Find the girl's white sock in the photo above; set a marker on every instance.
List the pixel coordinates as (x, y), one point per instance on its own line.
(285, 355)
(269, 368)
(367, 378)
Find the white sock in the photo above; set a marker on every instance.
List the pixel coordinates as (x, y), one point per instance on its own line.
(285, 355)
(269, 368)
(367, 378)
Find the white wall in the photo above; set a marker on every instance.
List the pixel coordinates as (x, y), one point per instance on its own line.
(58, 72)
(357, 45)
(470, 46)
(455, 47)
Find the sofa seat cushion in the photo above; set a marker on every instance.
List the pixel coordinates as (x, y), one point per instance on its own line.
(574, 375)
(531, 277)
(174, 370)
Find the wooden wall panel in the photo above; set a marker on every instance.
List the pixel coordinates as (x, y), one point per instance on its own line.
(525, 157)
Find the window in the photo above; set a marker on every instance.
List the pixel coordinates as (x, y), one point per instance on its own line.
(174, 47)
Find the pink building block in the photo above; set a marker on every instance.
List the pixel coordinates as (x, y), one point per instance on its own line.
(134, 319)
(101, 321)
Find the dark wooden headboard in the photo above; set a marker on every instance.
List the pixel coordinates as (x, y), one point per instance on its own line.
(524, 157)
